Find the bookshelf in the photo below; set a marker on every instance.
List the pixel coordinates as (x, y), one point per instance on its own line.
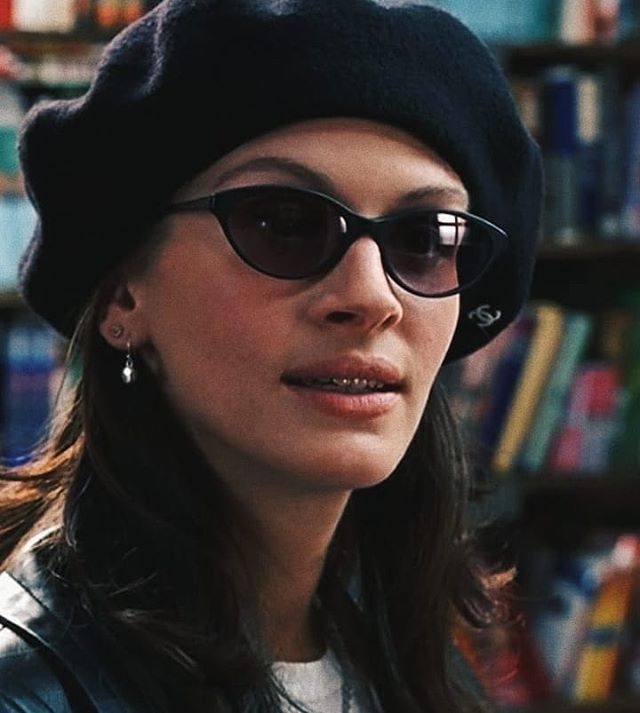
(546, 520)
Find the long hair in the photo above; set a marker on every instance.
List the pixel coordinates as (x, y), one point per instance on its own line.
(150, 540)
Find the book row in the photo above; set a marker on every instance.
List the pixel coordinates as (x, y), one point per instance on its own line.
(17, 222)
(496, 20)
(70, 15)
(576, 634)
(571, 21)
(588, 125)
(29, 381)
(558, 392)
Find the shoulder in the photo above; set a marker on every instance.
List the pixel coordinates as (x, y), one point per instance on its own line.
(28, 684)
(54, 655)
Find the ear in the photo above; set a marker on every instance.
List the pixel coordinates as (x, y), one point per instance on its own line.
(122, 317)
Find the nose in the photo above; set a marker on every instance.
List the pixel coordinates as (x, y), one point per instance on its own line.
(357, 294)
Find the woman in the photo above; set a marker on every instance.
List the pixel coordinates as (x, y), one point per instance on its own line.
(265, 228)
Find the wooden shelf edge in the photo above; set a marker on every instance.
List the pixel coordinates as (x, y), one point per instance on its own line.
(590, 249)
(548, 52)
(77, 37)
(627, 704)
(11, 300)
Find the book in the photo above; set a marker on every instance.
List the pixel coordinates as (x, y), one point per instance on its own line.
(468, 383)
(44, 15)
(108, 14)
(597, 665)
(30, 362)
(504, 380)
(576, 21)
(602, 419)
(611, 161)
(590, 151)
(560, 153)
(132, 10)
(631, 197)
(626, 448)
(565, 454)
(545, 342)
(6, 14)
(561, 615)
(578, 329)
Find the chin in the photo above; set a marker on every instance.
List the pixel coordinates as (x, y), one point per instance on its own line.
(352, 471)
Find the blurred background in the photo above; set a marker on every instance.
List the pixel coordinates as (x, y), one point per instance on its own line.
(551, 409)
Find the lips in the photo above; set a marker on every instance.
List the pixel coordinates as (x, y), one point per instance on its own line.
(347, 375)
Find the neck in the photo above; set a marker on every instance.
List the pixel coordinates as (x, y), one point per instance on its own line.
(293, 537)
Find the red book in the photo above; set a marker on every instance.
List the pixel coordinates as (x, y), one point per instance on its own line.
(5, 14)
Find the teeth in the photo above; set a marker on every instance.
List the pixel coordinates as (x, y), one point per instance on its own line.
(341, 383)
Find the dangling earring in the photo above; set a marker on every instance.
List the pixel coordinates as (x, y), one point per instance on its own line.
(128, 370)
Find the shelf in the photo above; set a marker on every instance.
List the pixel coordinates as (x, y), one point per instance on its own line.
(562, 504)
(522, 57)
(591, 249)
(620, 705)
(10, 300)
(563, 508)
(60, 41)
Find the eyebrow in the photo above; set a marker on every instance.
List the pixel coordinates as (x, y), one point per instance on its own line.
(319, 181)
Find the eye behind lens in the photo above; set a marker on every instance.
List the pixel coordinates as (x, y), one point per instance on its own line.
(284, 232)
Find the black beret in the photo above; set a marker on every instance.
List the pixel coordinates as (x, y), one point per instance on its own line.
(194, 79)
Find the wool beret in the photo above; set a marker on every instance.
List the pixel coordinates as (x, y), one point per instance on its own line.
(194, 79)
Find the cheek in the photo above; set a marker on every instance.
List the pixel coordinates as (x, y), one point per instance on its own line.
(221, 347)
(433, 326)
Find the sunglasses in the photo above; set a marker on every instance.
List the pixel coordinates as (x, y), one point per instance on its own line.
(294, 233)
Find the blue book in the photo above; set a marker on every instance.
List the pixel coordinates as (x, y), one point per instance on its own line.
(631, 200)
(30, 361)
(504, 381)
(578, 329)
(560, 143)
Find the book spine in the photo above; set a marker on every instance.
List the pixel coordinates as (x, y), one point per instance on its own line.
(611, 181)
(6, 14)
(108, 14)
(560, 143)
(565, 454)
(504, 381)
(589, 153)
(544, 344)
(596, 670)
(132, 10)
(44, 15)
(576, 21)
(631, 201)
(578, 329)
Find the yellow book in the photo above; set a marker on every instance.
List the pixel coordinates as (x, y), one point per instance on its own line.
(597, 664)
(544, 347)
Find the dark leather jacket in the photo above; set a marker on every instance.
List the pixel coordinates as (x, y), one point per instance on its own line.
(52, 658)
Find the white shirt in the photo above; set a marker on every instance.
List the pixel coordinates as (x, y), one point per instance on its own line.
(315, 685)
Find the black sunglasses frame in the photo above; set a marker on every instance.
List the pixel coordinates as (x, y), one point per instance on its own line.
(354, 226)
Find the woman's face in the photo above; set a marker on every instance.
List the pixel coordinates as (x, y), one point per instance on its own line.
(229, 344)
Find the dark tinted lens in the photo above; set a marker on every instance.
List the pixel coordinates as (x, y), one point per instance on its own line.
(436, 252)
(285, 233)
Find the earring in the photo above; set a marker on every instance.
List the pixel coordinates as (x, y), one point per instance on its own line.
(117, 330)
(128, 371)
